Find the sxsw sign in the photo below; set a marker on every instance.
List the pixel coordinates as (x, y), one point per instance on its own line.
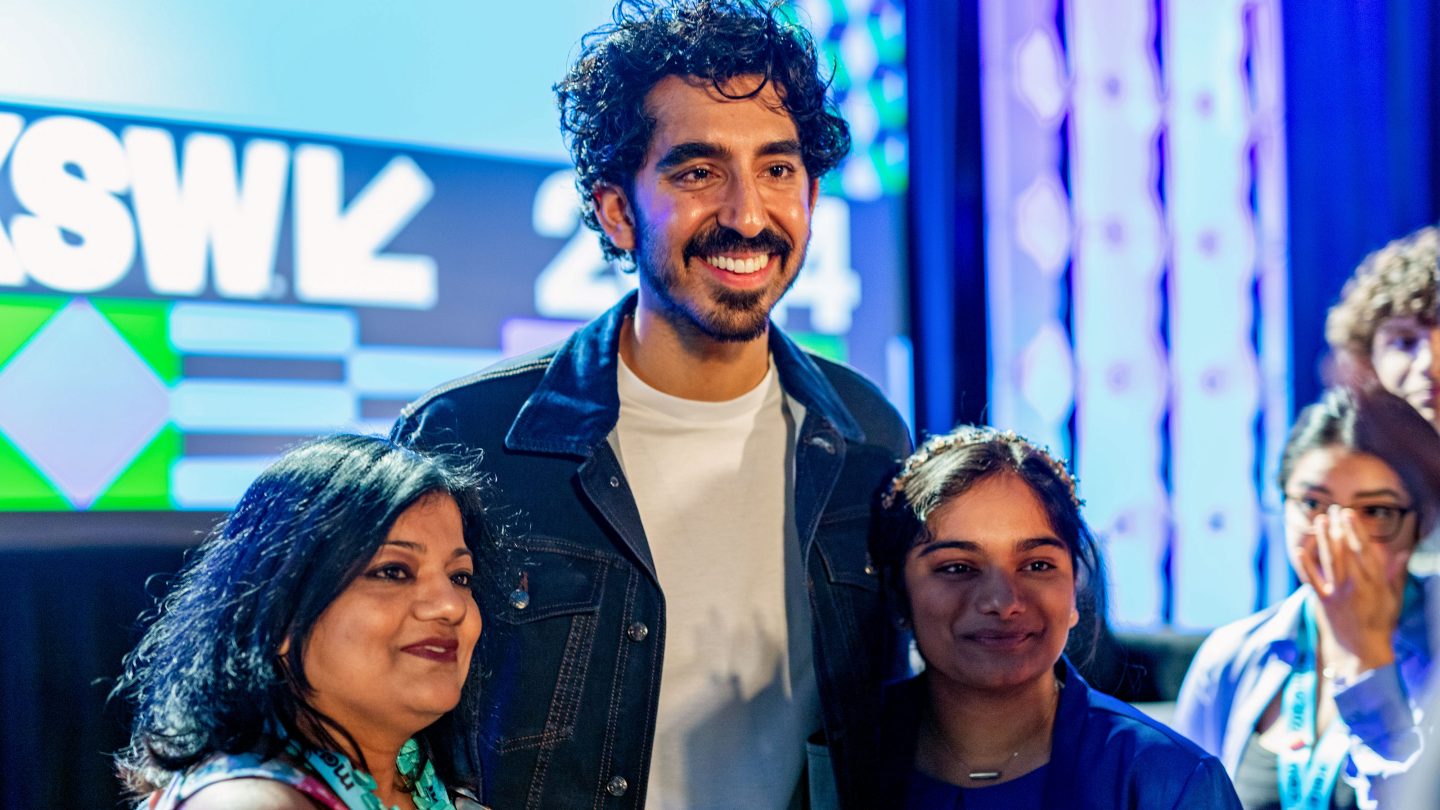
(87, 206)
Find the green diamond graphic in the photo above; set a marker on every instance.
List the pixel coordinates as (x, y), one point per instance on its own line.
(145, 484)
(24, 488)
(145, 325)
(21, 316)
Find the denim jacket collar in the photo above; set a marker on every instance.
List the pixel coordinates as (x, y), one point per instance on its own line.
(577, 405)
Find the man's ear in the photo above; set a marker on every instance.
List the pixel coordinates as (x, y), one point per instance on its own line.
(814, 192)
(612, 209)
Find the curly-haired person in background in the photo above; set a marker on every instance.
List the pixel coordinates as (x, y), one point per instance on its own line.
(695, 598)
(1386, 320)
(313, 651)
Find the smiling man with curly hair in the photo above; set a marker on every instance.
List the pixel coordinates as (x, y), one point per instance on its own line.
(696, 599)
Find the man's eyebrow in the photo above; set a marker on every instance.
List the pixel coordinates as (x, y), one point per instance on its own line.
(790, 148)
(1041, 542)
(690, 150)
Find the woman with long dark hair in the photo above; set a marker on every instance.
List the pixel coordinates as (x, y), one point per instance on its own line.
(314, 650)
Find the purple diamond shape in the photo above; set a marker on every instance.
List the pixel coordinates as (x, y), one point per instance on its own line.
(79, 402)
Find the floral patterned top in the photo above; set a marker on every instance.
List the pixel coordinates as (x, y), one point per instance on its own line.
(224, 767)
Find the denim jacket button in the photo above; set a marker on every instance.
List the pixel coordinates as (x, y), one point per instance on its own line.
(614, 481)
(637, 631)
(519, 599)
(617, 786)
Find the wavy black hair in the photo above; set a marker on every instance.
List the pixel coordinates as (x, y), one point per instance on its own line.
(602, 97)
(951, 464)
(208, 677)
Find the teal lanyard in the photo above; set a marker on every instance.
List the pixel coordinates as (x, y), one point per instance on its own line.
(1307, 770)
(356, 788)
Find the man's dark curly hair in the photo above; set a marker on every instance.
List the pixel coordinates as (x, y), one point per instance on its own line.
(602, 98)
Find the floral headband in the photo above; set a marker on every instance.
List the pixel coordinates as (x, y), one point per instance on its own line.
(964, 437)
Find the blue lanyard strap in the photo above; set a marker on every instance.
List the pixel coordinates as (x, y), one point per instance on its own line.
(1307, 770)
(356, 788)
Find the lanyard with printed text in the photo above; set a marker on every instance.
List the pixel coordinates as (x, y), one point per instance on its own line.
(1306, 769)
(356, 788)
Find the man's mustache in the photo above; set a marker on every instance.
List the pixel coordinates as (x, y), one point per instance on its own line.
(727, 240)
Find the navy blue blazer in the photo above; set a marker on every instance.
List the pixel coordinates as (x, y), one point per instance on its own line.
(1105, 754)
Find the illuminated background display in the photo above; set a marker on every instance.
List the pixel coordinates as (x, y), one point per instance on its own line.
(225, 228)
(181, 297)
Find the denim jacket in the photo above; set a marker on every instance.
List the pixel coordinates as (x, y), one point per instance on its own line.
(574, 636)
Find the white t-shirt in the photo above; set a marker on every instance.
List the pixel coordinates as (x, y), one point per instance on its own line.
(714, 483)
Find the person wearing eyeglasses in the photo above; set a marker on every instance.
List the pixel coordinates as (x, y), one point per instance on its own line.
(1314, 701)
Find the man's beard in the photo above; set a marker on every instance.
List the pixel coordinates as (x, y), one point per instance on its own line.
(735, 316)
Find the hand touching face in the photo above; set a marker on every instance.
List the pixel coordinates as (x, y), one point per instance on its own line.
(1351, 528)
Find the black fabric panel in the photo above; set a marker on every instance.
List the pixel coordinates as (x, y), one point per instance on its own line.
(68, 617)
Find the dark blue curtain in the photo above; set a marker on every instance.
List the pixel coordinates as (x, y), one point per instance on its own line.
(68, 617)
(947, 257)
(1362, 94)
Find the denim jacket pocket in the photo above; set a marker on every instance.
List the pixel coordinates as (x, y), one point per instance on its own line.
(544, 629)
(843, 538)
(820, 774)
